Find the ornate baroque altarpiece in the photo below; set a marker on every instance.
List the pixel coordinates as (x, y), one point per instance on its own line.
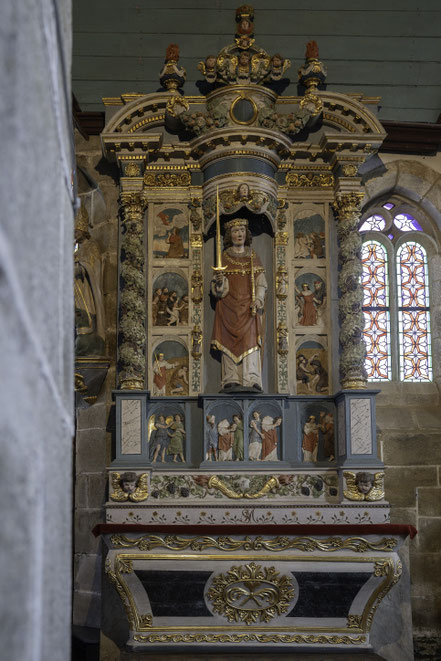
(242, 412)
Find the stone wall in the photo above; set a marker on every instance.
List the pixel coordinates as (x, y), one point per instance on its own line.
(36, 320)
(93, 441)
(409, 420)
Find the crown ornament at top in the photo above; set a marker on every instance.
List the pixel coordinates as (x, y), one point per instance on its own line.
(242, 62)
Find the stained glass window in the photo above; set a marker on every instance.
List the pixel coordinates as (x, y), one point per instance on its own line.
(374, 223)
(407, 223)
(376, 311)
(413, 313)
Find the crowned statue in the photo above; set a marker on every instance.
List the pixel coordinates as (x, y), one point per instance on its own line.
(239, 287)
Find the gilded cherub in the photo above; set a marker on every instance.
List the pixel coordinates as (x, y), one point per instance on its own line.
(129, 486)
(364, 486)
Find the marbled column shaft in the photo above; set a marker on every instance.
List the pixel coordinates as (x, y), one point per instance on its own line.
(352, 346)
(132, 313)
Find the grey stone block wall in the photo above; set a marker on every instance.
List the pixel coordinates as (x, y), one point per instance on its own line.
(93, 442)
(36, 320)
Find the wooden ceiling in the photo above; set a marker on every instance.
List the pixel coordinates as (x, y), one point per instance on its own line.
(379, 47)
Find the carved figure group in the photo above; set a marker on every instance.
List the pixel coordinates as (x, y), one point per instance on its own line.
(311, 376)
(312, 431)
(168, 309)
(167, 437)
(309, 246)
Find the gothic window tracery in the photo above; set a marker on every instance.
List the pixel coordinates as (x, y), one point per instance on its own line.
(395, 281)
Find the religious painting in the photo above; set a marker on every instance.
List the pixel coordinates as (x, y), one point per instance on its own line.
(170, 369)
(170, 234)
(224, 435)
(166, 436)
(310, 300)
(312, 369)
(309, 238)
(170, 300)
(264, 433)
(317, 433)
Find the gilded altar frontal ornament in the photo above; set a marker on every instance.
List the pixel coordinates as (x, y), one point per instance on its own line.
(251, 593)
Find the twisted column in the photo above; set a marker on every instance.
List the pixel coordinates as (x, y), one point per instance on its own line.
(352, 346)
(132, 313)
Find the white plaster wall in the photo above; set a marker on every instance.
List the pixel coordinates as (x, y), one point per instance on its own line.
(36, 322)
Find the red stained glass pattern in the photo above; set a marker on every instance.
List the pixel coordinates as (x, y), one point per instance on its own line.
(376, 311)
(413, 313)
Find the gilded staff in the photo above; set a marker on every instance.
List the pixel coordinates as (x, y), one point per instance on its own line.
(218, 268)
(253, 287)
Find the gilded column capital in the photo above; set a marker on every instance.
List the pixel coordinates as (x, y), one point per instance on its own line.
(133, 205)
(348, 202)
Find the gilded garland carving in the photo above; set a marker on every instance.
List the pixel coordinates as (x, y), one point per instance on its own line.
(224, 543)
(311, 639)
(167, 179)
(353, 349)
(309, 180)
(132, 297)
(251, 593)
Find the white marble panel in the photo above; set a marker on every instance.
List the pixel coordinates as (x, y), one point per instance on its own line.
(131, 426)
(361, 430)
(341, 429)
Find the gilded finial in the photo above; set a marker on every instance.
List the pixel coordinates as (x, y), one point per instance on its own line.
(172, 76)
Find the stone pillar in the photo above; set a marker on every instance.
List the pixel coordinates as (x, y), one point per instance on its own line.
(352, 346)
(132, 313)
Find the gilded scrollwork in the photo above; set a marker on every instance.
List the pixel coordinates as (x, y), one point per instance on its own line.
(354, 621)
(167, 179)
(287, 638)
(309, 180)
(112, 576)
(251, 593)
(258, 543)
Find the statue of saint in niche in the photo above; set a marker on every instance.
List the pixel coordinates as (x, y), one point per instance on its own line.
(240, 290)
(89, 308)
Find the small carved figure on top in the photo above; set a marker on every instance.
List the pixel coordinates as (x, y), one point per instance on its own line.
(89, 307)
(245, 19)
(270, 440)
(242, 192)
(196, 286)
(310, 440)
(159, 437)
(364, 486)
(176, 445)
(279, 65)
(129, 486)
(172, 76)
(209, 68)
(211, 436)
(196, 342)
(281, 283)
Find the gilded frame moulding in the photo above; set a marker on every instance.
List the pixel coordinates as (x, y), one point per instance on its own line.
(258, 543)
(309, 180)
(386, 568)
(167, 179)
